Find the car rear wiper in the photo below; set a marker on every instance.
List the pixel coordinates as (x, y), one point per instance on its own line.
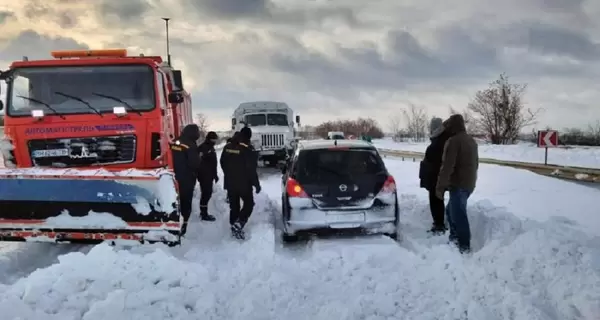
(80, 100)
(44, 104)
(118, 100)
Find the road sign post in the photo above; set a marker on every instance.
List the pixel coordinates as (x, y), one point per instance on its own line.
(547, 139)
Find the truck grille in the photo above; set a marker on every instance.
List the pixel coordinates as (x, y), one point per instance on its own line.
(78, 152)
(272, 140)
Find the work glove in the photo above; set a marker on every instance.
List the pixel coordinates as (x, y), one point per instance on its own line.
(258, 189)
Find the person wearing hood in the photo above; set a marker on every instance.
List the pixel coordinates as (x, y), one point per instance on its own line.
(207, 174)
(458, 176)
(239, 165)
(186, 163)
(429, 170)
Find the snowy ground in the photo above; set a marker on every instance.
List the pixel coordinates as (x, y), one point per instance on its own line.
(525, 152)
(537, 256)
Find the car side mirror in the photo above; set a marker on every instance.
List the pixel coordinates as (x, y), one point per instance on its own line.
(175, 97)
(177, 80)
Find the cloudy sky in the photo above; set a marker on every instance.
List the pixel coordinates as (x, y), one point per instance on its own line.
(333, 59)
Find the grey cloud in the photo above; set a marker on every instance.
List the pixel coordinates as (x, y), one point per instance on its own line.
(548, 39)
(36, 46)
(124, 10)
(265, 11)
(5, 15)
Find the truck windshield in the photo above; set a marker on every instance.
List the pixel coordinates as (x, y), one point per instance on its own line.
(271, 119)
(133, 84)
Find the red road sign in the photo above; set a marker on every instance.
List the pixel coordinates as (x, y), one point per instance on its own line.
(547, 138)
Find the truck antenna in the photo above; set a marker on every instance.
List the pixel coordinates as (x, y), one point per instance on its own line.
(168, 48)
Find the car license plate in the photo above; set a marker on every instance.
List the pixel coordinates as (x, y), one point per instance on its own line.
(268, 152)
(50, 153)
(346, 218)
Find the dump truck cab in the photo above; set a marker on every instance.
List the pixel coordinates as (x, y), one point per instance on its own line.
(92, 108)
(86, 146)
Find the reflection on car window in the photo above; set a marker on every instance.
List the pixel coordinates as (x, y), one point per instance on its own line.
(331, 164)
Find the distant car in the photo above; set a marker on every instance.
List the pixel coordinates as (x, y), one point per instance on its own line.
(338, 184)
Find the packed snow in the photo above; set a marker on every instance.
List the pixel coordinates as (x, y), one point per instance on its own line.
(586, 157)
(536, 256)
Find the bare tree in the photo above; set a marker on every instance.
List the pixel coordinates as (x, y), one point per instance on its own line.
(594, 132)
(202, 123)
(499, 111)
(417, 122)
(395, 126)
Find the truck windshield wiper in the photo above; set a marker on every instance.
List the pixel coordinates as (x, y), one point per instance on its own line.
(118, 100)
(44, 104)
(80, 100)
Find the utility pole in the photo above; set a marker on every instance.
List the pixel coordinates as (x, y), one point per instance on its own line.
(168, 48)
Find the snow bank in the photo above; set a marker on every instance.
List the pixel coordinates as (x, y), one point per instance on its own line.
(524, 269)
(94, 220)
(524, 152)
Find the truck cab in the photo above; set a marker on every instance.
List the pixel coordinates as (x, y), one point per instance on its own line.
(92, 108)
(273, 128)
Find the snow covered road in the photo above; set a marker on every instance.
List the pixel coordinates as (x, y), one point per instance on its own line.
(537, 256)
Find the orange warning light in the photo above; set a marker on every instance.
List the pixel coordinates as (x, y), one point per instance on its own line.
(89, 53)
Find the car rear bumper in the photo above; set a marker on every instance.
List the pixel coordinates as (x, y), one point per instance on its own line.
(375, 220)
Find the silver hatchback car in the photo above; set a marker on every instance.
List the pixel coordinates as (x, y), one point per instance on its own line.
(338, 184)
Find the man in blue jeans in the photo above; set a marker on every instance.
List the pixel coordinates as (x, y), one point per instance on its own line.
(458, 175)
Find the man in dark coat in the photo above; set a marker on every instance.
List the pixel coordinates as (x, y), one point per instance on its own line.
(186, 163)
(458, 176)
(207, 174)
(239, 165)
(235, 135)
(429, 170)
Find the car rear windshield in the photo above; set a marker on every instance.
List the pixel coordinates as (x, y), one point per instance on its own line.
(338, 163)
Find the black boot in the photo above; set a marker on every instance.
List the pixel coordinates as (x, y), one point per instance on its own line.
(204, 214)
(437, 229)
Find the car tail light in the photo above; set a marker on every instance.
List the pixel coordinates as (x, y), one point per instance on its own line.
(294, 189)
(389, 186)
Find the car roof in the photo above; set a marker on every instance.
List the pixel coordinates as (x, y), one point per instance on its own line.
(326, 143)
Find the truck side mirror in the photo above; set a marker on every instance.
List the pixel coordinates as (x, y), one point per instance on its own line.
(1, 105)
(298, 120)
(177, 80)
(175, 97)
(232, 122)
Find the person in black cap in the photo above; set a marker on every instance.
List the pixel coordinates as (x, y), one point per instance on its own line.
(186, 164)
(239, 165)
(207, 174)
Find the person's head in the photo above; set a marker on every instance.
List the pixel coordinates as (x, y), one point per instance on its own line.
(245, 134)
(455, 124)
(212, 137)
(436, 125)
(191, 131)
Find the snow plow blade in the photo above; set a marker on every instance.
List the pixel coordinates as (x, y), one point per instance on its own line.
(89, 206)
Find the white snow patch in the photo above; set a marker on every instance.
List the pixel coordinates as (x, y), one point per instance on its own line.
(542, 268)
(142, 206)
(96, 220)
(587, 157)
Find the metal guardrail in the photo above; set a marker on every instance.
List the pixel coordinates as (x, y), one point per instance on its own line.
(564, 172)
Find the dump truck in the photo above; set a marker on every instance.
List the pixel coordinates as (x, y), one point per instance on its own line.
(86, 148)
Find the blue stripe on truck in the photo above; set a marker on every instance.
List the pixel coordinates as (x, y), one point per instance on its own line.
(72, 190)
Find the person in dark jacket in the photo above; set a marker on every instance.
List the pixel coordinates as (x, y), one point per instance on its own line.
(429, 170)
(239, 165)
(186, 163)
(235, 135)
(458, 176)
(207, 174)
